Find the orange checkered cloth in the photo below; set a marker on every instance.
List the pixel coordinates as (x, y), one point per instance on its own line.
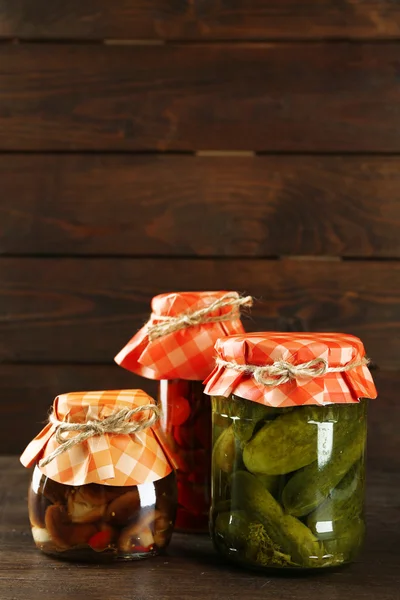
(109, 459)
(185, 354)
(263, 349)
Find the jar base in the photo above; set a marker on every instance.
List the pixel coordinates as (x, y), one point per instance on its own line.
(278, 571)
(86, 556)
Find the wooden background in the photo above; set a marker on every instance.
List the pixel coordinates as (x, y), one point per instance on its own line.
(155, 145)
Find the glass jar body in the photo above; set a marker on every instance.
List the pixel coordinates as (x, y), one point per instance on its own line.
(94, 522)
(186, 425)
(288, 484)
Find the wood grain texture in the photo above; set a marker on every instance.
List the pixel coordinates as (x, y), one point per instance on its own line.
(191, 570)
(27, 392)
(384, 422)
(205, 20)
(199, 206)
(84, 310)
(265, 97)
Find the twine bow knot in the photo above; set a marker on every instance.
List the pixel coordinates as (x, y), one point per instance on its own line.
(118, 423)
(281, 371)
(168, 325)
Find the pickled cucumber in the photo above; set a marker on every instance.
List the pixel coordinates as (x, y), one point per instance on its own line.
(291, 535)
(285, 444)
(225, 451)
(296, 439)
(245, 414)
(345, 540)
(260, 549)
(233, 528)
(310, 486)
(345, 502)
(270, 483)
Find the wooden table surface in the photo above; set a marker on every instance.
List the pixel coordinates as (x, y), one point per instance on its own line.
(191, 569)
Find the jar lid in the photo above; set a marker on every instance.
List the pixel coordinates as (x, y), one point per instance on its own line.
(178, 340)
(106, 437)
(292, 369)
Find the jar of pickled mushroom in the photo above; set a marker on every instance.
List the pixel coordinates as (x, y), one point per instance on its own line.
(176, 346)
(102, 485)
(289, 434)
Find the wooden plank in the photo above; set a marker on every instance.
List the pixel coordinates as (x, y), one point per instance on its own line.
(182, 19)
(204, 206)
(265, 97)
(384, 422)
(27, 392)
(66, 310)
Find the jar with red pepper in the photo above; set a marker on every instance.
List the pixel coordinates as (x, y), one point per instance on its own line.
(176, 347)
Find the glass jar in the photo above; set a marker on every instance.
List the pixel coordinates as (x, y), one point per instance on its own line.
(176, 347)
(186, 424)
(96, 522)
(288, 484)
(288, 460)
(102, 486)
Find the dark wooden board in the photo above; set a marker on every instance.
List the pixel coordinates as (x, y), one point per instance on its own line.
(182, 19)
(27, 392)
(266, 97)
(206, 206)
(68, 310)
(384, 423)
(191, 569)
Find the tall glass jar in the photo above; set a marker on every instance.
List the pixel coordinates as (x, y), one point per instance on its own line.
(176, 347)
(288, 480)
(186, 422)
(102, 487)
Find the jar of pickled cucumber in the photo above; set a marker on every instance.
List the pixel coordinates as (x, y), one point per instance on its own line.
(102, 487)
(176, 347)
(289, 436)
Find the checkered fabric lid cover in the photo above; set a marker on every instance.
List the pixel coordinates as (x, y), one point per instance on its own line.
(117, 460)
(185, 354)
(263, 349)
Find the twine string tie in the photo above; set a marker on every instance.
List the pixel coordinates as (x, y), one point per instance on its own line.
(281, 371)
(168, 325)
(118, 423)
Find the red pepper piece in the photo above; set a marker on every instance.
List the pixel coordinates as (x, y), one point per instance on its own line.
(178, 387)
(185, 437)
(143, 548)
(100, 540)
(186, 521)
(193, 497)
(196, 478)
(179, 410)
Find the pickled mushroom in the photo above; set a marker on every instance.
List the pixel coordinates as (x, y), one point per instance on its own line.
(123, 508)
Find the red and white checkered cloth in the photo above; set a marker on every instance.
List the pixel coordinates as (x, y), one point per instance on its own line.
(117, 460)
(185, 354)
(262, 349)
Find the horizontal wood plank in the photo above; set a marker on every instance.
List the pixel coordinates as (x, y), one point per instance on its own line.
(264, 97)
(27, 391)
(66, 310)
(206, 206)
(185, 20)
